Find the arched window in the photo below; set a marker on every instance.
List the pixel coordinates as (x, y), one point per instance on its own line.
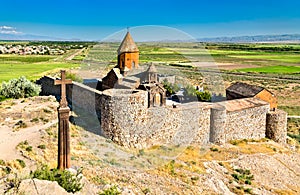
(133, 64)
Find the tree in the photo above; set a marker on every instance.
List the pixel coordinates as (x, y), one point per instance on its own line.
(191, 92)
(171, 88)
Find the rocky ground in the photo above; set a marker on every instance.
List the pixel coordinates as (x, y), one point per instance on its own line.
(28, 138)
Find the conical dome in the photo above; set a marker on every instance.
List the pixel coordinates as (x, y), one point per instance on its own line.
(127, 45)
(152, 68)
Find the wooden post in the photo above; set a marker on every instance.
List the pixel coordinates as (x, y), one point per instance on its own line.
(64, 158)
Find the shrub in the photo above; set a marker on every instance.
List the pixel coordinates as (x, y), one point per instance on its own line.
(21, 124)
(243, 176)
(111, 191)
(146, 191)
(214, 149)
(248, 190)
(42, 146)
(22, 163)
(74, 77)
(2, 97)
(70, 182)
(203, 96)
(29, 149)
(34, 120)
(2, 162)
(19, 88)
(171, 88)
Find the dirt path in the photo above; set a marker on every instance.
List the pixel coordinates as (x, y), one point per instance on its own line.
(74, 54)
(36, 114)
(9, 139)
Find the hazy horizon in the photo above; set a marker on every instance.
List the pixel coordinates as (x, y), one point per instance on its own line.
(96, 20)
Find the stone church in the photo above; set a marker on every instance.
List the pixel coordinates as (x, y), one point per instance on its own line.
(122, 77)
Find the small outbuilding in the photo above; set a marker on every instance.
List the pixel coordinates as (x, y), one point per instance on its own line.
(243, 90)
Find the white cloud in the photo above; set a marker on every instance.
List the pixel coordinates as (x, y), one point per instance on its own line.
(7, 27)
(9, 30)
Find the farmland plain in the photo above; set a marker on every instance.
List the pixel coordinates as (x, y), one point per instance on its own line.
(260, 64)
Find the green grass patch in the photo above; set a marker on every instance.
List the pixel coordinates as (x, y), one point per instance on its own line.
(25, 58)
(31, 71)
(70, 182)
(289, 58)
(291, 110)
(296, 137)
(273, 69)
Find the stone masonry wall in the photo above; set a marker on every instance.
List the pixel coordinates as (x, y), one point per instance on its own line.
(248, 123)
(218, 120)
(84, 97)
(126, 119)
(48, 87)
(78, 95)
(276, 128)
(121, 112)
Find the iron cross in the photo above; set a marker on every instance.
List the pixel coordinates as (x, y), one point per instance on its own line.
(63, 82)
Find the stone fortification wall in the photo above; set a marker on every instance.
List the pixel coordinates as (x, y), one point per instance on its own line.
(248, 123)
(276, 128)
(78, 95)
(126, 119)
(183, 125)
(121, 112)
(218, 119)
(85, 97)
(48, 87)
(245, 118)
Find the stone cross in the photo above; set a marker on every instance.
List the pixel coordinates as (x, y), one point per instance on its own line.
(63, 101)
(64, 159)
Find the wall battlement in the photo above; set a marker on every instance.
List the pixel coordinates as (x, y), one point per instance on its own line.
(126, 119)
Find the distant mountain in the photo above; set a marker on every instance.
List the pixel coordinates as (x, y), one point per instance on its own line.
(295, 38)
(291, 38)
(29, 37)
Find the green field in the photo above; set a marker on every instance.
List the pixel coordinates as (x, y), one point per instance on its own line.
(274, 69)
(289, 58)
(31, 66)
(9, 58)
(270, 58)
(31, 71)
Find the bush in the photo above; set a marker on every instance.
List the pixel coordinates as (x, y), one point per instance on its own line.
(111, 191)
(22, 163)
(19, 88)
(21, 124)
(202, 96)
(70, 182)
(28, 148)
(171, 88)
(214, 149)
(42, 146)
(74, 77)
(2, 162)
(2, 97)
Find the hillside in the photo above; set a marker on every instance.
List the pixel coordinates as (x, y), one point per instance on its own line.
(28, 132)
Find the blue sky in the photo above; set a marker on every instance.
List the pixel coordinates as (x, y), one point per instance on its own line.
(95, 19)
